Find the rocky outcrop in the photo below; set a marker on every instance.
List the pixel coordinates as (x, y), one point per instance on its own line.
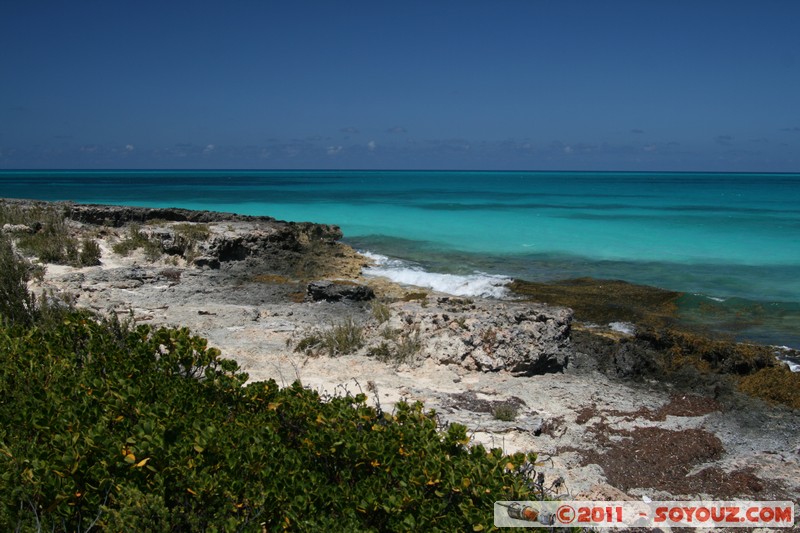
(488, 335)
(332, 291)
(253, 244)
(119, 215)
(300, 251)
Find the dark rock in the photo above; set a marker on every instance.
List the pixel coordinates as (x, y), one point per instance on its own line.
(293, 249)
(117, 216)
(205, 261)
(630, 362)
(333, 292)
(623, 358)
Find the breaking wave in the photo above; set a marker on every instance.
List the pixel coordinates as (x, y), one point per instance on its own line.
(477, 284)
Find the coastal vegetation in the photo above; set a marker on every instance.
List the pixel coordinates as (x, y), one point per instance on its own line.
(135, 240)
(380, 311)
(400, 345)
(188, 236)
(340, 338)
(182, 241)
(43, 232)
(507, 412)
(112, 426)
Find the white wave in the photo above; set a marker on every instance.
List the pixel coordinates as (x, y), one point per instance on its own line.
(623, 327)
(790, 357)
(712, 298)
(477, 284)
(794, 367)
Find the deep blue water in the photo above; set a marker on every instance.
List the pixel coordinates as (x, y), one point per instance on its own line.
(731, 241)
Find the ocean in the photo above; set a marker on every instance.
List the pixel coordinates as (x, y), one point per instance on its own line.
(731, 241)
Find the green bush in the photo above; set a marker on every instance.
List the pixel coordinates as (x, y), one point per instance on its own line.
(17, 304)
(90, 253)
(113, 427)
(505, 412)
(192, 232)
(48, 239)
(150, 429)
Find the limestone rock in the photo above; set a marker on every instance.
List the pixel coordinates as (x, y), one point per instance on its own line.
(523, 339)
(17, 229)
(331, 291)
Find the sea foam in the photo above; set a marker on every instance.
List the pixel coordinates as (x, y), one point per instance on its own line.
(476, 284)
(789, 356)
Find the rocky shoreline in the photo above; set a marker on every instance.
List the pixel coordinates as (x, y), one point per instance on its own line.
(593, 402)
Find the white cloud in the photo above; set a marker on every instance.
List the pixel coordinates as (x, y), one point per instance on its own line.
(333, 150)
(209, 148)
(371, 145)
(129, 148)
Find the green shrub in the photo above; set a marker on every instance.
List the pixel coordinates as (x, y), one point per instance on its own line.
(192, 232)
(90, 252)
(153, 250)
(506, 412)
(390, 334)
(415, 296)
(48, 237)
(145, 429)
(345, 337)
(17, 304)
(133, 241)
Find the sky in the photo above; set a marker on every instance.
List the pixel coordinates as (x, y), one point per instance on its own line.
(674, 85)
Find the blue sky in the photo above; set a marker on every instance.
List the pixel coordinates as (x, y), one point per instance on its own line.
(502, 84)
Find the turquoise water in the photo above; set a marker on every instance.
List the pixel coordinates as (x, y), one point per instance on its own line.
(732, 239)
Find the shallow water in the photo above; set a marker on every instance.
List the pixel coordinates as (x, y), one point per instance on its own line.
(730, 241)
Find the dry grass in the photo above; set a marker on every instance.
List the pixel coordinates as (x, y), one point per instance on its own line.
(343, 338)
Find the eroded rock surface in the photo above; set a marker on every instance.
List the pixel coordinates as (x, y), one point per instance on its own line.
(488, 335)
